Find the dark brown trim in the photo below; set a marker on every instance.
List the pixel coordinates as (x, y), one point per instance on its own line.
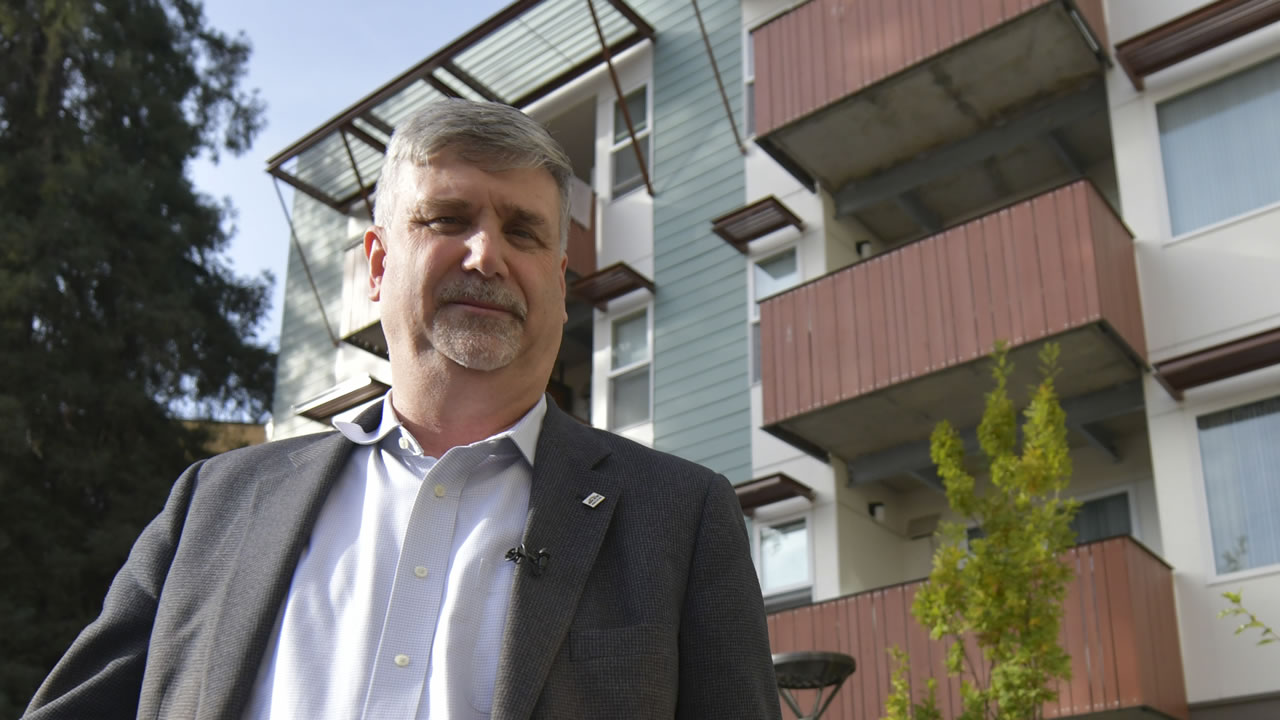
(470, 81)
(404, 79)
(365, 138)
(617, 89)
(1219, 362)
(608, 283)
(715, 70)
(439, 85)
(307, 189)
(1191, 34)
(351, 157)
(762, 217)
(770, 489)
(378, 123)
(644, 28)
(576, 71)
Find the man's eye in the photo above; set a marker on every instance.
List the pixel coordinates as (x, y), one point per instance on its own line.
(445, 223)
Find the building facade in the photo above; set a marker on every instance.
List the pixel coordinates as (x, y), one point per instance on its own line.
(798, 234)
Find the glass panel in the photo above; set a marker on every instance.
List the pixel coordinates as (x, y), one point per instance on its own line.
(1102, 518)
(1220, 147)
(630, 340)
(784, 555)
(1241, 461)
(629, 399)
(639, 116)
(776, 274)
(626, 169)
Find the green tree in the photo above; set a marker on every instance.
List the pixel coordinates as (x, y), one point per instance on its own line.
(1266, 635)
(1003, 591)
(117, 304)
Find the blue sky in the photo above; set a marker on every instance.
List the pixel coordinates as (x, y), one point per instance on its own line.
(310, 61)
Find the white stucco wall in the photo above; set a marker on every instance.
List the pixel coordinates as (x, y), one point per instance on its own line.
(1198, 290)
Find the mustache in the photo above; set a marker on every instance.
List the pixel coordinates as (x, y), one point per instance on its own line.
(484, 292)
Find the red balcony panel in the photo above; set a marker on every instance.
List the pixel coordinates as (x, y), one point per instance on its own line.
(1119, 625)
(875, 354)
(846, 88)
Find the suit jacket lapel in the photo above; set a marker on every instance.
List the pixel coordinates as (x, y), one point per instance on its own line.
(284, 511)
(542, 606)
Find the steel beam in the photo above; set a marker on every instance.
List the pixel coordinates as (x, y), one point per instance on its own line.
(888, 184)
(1082, 411)
(920, 214)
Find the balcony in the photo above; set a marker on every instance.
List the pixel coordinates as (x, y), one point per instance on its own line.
(916, 115)
(1119, 625)
(360, 322)
(865, 361)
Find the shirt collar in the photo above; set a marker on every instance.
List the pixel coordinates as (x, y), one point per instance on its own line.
(524, 433)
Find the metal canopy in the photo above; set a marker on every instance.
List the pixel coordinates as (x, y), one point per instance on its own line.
(1191, 34)
(520, 55)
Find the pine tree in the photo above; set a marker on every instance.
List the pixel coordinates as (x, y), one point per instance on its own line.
(117, 305)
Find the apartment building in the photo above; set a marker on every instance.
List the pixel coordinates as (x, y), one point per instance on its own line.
(794, 279)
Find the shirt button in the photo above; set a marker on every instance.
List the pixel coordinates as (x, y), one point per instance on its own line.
(440, 491)
(404, 443)
(420, 571)
(402, 660)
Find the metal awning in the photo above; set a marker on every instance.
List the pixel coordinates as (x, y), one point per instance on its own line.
(609, 283)
(770, 489)
(754, 221)
(343, 396)
(1219, 362)
(520, 55)
(1191, 34)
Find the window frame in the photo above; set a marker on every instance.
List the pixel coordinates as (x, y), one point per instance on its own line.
(615, 373)
(753, 310)
(616, 145)
(1263, 391)
(1195, 77)
(757, 524)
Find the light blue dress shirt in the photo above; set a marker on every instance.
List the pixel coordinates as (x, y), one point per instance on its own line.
(397, 605)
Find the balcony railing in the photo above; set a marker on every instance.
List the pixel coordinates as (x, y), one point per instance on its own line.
(360, 321)
(875, 354)
(1119, 624)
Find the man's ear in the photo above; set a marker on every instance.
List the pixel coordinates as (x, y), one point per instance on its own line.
(375, 251)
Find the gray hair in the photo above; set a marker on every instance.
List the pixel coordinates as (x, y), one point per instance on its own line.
(492, 136)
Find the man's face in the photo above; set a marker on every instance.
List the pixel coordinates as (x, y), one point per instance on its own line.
(471, 267)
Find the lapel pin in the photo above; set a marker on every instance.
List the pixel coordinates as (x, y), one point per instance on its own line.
(593, 500)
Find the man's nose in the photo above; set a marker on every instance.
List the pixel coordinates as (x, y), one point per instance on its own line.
(485, 251)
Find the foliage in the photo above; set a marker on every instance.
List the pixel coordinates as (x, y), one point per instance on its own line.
(116, 302)
(1237, 609)
(998, 598)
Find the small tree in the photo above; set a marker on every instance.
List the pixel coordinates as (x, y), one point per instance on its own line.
(1237, 609)
(1003, 591)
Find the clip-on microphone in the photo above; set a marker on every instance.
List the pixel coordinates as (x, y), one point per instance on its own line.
(537, 561)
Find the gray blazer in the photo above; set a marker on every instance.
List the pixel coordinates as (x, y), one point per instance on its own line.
(648, 608)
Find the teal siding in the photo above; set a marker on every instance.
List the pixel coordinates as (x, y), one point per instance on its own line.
(701, 401)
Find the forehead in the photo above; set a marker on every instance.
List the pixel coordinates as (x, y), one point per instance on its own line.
(446, 176)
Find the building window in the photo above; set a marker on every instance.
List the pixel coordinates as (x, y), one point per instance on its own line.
(782, 555)
(749, 84)
(1241, 460)
(1220, 147)
(769, 276)
(1102, 518)
(629, 399)
(627, 175)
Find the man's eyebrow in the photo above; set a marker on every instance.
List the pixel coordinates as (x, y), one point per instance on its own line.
(523, 216)
(429, 207)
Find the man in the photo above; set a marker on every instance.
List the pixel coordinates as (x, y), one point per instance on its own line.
(365, 573)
